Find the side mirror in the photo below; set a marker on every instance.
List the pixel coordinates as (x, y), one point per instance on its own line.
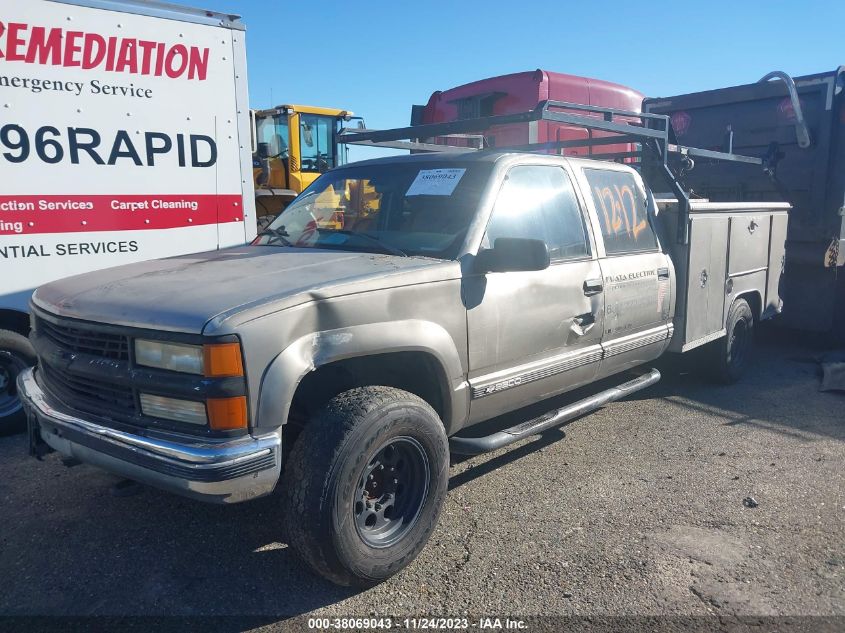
(513, 254)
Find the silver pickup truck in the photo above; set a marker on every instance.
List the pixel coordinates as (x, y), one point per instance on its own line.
(392, 306)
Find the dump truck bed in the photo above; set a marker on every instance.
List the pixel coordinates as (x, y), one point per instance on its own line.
(806, 148)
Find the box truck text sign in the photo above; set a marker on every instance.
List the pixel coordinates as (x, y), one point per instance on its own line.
(52, 145)
(79, 214)
(124, 136)
(32, 44)
(114, 122)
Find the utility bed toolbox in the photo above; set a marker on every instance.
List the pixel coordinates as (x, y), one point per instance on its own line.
(733, 248)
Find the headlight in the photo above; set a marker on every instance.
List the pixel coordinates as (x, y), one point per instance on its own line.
(213, 360)
(173, 356)
(173, 409)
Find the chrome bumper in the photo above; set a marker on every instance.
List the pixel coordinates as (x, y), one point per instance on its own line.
(226, 471)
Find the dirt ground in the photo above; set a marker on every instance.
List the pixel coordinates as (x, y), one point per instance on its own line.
(635, 510)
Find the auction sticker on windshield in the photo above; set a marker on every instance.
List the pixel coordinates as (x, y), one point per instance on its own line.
(435, 182)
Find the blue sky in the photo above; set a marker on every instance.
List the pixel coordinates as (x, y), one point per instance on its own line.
(377, 57)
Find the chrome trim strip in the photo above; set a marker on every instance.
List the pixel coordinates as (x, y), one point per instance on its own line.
(556, 365)
(635, 341)
(747, 272)
(486, 386)
(703, 340)
(196, 453)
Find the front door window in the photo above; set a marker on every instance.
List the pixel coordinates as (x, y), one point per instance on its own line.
(538, 201)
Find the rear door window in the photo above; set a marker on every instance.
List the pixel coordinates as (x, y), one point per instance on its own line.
(622, 210)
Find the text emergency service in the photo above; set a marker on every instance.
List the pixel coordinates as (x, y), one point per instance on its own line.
(75, 88)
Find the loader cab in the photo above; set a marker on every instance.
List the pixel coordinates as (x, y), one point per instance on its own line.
(292, 146)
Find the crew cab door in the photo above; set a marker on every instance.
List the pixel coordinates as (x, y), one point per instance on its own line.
(534, 334)
(637, 275)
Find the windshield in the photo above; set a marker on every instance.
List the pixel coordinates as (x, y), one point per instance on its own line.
(409, 208)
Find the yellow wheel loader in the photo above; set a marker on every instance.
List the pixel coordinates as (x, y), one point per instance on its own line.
(292, 146)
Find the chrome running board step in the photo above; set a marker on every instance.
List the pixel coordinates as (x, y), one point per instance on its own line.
(478, 445)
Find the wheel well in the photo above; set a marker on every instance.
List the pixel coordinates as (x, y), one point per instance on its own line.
(15, 321)
(416, 372)
(755, 302)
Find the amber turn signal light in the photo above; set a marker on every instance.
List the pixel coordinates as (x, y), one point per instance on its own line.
(221, 360)
(226, 414)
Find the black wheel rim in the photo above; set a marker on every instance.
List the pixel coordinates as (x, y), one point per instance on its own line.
(740, 338)
(391, 492)
(10, 367)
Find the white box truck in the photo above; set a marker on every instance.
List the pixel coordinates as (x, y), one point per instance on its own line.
(124, 136)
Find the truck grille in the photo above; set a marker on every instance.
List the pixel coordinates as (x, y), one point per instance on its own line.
(85, 341)
(92, 396)
(85, 393)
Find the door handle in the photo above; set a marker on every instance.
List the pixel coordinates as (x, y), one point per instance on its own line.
(593, 287)
(663, 273)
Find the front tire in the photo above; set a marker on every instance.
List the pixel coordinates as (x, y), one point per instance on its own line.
(365, 484)
(732, 353)
(16, 354)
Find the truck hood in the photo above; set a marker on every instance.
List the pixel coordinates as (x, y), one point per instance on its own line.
(185, 293)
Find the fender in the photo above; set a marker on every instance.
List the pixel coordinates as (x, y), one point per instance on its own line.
(283, 375)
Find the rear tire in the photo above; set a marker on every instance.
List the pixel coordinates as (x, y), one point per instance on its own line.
(365, 484)
(16, 354)
(731, 354)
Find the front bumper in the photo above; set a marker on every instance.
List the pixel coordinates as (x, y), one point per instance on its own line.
(225, 471)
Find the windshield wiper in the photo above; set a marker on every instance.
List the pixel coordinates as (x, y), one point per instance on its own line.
(278, 235)
(383, 246)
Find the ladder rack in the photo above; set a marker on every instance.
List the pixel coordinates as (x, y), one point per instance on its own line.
(651, 133)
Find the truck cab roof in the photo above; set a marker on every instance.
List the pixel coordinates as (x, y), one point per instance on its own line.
(487, 156)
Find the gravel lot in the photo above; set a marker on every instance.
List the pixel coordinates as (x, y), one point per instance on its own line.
(634, 510)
